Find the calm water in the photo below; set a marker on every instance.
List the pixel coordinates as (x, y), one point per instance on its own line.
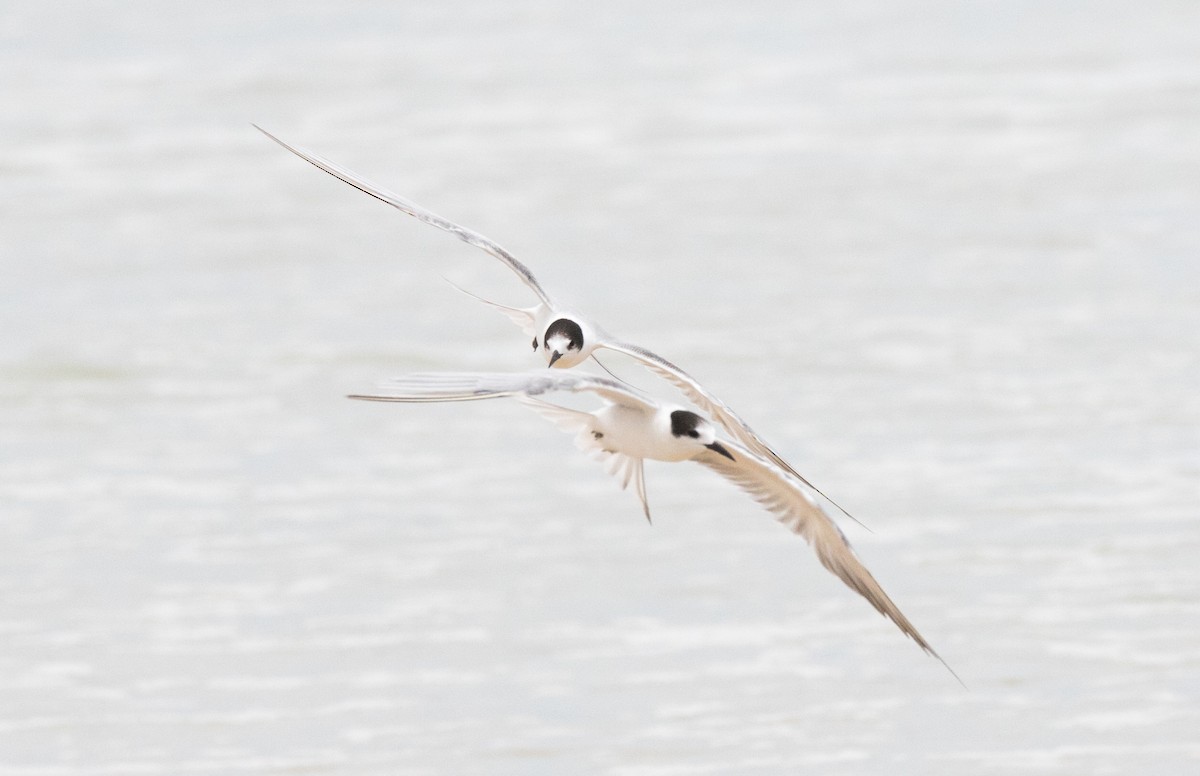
(945, 257)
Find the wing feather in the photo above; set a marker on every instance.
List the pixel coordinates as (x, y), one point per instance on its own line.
(716, 409)
(797, 510)
(416, 211)
(468, 386)
(473, 386)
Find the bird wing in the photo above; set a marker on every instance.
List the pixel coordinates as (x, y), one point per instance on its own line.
(797, 510)
(473, 386)
(716, 409)
(469, 386)
(417, 212)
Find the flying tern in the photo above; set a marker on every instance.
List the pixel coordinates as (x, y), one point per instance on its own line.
(565, 337)
(631, 427)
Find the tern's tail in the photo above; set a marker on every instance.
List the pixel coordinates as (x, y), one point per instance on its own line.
(523, 318)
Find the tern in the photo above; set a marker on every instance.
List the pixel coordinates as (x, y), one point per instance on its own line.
(631, 427)
(565, 337)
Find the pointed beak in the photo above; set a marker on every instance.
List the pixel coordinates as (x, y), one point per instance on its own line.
(554, 357)
(717, 447)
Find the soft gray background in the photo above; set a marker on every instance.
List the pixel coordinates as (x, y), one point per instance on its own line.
(944, 254)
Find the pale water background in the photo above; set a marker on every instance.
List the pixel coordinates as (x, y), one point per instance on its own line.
(943, 254)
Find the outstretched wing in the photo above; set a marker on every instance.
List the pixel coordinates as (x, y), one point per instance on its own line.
(417, 212)
(793, 507)
(473, 386)
(714, 407)
(469, 386)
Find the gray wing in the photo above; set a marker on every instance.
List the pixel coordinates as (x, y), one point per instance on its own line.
(473, 386)
(714, 407)
(793, 507)
(417, 212)
(528, 388)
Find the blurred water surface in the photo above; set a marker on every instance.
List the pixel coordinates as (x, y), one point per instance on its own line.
(943, 255)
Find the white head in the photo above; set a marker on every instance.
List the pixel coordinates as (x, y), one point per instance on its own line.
(690, 428)
(564, 343)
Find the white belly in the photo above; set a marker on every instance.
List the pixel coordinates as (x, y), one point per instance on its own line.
(641, 435)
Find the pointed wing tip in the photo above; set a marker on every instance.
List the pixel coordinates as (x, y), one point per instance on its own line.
(953, 673)
(933, 653)
(924, 645)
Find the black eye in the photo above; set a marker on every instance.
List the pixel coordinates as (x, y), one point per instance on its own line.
(694, 434)
(535, 343)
